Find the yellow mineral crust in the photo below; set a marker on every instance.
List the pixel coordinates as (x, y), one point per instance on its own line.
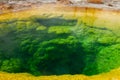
(112, 75)
(99, 17)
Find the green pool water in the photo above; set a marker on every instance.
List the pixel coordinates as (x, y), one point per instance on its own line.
(56, 45)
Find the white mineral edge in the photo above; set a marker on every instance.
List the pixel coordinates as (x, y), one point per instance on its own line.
(115, 4)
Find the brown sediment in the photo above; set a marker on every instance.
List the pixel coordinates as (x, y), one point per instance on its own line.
(95, 1)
